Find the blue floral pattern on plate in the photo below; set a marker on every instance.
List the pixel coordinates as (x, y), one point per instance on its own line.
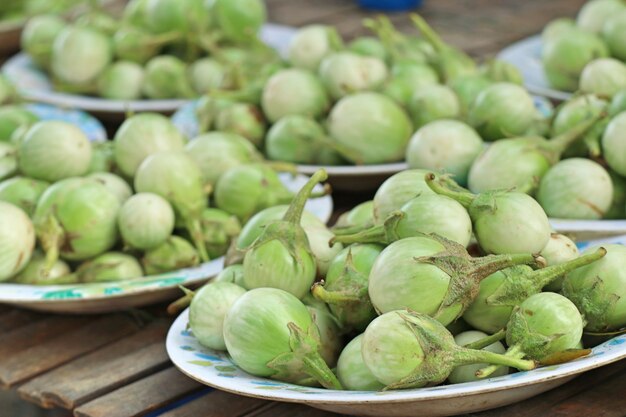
(88, 124)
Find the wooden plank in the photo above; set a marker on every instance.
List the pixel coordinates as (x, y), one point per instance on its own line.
(607, 399)
(294, 410)
(41, 358)
(589, 381)
(142, 396)
(15, 341)
(14, 319)
(218, 404)
(101, 371)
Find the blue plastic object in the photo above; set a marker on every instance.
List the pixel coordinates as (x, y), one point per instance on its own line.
(390, 5)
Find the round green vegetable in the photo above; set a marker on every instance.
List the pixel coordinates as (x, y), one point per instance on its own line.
(17, 240)
(145, 220)
(504, 221)
(53, 150)
(446, 146)
(502, 110)
(279, 100)
(142, 135)
(433, 276)
(270, 333)
(407, 350)
(599, 290)
(281, 256)
(369, 128)
(208, 309)
(352, 371)
(433, 102)
(576, 188)
(22, 192)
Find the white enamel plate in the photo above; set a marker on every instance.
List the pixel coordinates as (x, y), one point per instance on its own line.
(216, 369)
(113, 296)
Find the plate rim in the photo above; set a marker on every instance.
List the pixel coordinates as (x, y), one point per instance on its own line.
(401, 396)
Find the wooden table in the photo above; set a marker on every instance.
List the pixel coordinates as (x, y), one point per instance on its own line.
(116, 366)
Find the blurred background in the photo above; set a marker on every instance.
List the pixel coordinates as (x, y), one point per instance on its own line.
(480, 27)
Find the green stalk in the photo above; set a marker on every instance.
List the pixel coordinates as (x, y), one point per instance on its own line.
(165, 38)
(182, 302)
(431, 36)
(514, 353)
(294, 213)
(465, 198)
(197, 235)
(315, 366)
(51, 235)
(304, 357)
(487, 265)
(545, 276)
(332, 297)
(486, 341)
(385, 233)
(556, 146)
(468, 356)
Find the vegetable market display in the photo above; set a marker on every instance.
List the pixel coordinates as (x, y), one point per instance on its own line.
(451, 273)
(19, 10)
(157, 49)
(138, 205)
(383, 312)
(359, 103)
(589, 53)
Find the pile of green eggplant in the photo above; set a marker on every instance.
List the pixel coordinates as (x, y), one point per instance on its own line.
(589, 53)
(403, 304)
(157, 49)
(144, 203)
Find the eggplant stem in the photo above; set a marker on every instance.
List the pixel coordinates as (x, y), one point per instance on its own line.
(182, 302)
(545, 276)
(384, 233)
(514, 353)
(487, 341)
(195, 231)
(51, 237)
(294, 212)
(428, 32)
(560, 143)
(350, 230)
(499, 360)
(487, 265)
(332, 297)
(436, 184)
(165, 38)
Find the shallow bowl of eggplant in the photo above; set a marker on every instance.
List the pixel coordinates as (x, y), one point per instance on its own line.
(438, 302)
(89, 225)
